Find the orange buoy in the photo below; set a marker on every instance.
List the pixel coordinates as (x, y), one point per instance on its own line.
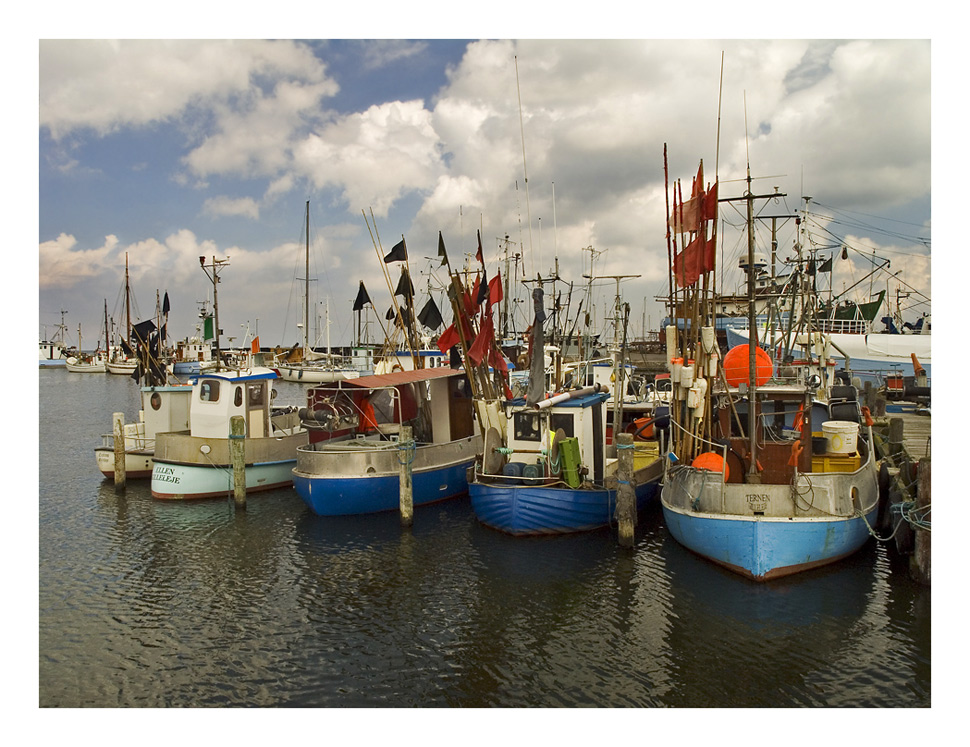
(736, 365)
(712, 461)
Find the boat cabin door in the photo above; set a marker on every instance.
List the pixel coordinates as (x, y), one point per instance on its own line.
(257, 408)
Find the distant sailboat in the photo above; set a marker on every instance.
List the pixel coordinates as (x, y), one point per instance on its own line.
(312, 367)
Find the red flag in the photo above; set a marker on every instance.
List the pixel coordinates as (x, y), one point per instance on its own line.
(497, 361)
(448, 339)
(478, 350)
(696, 259)
(495, 289)
(475, 290)
(687, 216)
(255, 347)
(710, 204)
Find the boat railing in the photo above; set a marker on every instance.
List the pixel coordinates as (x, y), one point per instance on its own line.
(843, 326)
(723, 448)
(132, 443)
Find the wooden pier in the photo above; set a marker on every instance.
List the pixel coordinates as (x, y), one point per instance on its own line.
(903, 443)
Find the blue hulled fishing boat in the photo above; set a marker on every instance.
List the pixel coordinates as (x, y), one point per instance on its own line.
(352, 464)
(765, 477)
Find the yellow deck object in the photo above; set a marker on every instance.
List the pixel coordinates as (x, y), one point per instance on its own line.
(836, 462)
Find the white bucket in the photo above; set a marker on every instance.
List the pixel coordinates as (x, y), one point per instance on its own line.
(841, 436)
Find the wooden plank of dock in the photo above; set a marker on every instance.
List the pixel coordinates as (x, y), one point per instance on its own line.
(916, 433)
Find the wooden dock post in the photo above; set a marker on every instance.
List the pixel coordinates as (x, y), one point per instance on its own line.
(237, 456)
(626, 509)
(896, 436)
(405, 455)
(920, 563)
(121, 476)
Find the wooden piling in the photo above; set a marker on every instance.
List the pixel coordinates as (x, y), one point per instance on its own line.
(626, 507)
(920, 561)
(121, 476)
(237, 456)
(405, 455)
(895, 436)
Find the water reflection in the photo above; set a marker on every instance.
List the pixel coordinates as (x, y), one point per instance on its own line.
(150, 603)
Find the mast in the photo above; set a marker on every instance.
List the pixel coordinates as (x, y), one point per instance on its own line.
(106, 343)
(127, 304)
(306, 292)
(216, 266)
(752, 340)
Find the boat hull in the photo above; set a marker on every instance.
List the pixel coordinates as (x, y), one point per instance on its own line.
(189, 467)
(138, 464)
(871, 356)
(523, 510)
(759, 531)
(315, 375)
(122, 368)
(348, 478)
(85, 367)
(763, 549)
(174, 481)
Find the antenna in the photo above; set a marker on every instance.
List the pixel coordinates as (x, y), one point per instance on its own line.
(525, 171)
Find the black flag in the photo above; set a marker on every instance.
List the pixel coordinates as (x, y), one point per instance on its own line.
(390, 314)
(362, 298)
(404, 286)
(165, 304)
(143, 329)
(826, 266)
(398, 254)
(430, 316)
(441, 249)
(482, 289)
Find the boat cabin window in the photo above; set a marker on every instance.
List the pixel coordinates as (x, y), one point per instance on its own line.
(237, 399)
(526, 426)
(209, 391)
(256, 395)
(562, 420)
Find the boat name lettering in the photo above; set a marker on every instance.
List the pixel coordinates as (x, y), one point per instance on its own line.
(757, 501)
(165, 474)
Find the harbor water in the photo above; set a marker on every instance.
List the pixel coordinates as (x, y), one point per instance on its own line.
(145, 603)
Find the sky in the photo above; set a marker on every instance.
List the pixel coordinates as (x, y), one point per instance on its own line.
(166, 151)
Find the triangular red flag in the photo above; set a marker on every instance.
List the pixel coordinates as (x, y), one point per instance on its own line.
(448, 339)
(495, 289)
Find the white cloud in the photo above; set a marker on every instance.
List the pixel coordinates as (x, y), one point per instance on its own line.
(374, 157)
(107, 85)
(847, 122)
(220, 206)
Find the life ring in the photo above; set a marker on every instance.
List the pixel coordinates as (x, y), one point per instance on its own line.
(397, 367)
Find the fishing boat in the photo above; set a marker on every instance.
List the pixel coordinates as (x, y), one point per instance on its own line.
(54, 351)
(763, 477)
(550, 473)
(121, 357)
(311, 367)
(196, 463)
(545, 466)
(352, 463)
(85, 362)
(164, 406)
(163, 409)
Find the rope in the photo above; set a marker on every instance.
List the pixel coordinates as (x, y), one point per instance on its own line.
(914, 516)
(408, 449)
